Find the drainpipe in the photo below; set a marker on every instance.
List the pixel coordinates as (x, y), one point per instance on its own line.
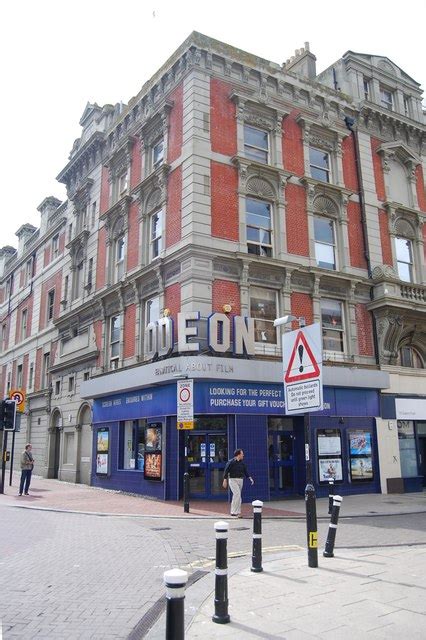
(351, 126)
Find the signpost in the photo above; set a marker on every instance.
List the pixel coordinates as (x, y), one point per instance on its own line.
(302, 364)
(185, 404)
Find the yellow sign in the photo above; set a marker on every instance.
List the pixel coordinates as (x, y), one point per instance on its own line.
(19, 396)
(188, 424)
(313, 539)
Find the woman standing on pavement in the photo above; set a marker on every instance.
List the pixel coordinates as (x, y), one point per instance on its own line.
(236, 471)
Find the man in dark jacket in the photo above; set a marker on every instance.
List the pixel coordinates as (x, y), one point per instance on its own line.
(234, 473)
(27, 465)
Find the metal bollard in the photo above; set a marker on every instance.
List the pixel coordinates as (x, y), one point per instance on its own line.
(332, 528)
(175, 581)
(330, 495)
(221, 615)
(256, 558)
(311, 525)
(186, 492)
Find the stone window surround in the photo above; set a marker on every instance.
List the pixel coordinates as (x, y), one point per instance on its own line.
(151, 196)
(407, 223)
(152, 131)
(401, 153)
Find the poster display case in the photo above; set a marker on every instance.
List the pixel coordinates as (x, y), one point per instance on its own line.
(329, 447)
(102, 451)
(360, 455)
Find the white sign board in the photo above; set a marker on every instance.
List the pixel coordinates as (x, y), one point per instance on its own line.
(185, 404)
(302, 364)
(410, 408)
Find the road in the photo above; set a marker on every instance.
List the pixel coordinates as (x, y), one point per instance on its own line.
(69, 575)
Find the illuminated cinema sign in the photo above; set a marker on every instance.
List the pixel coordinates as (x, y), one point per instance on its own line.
(159, 336)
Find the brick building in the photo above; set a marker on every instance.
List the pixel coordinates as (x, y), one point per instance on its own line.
(229, 192)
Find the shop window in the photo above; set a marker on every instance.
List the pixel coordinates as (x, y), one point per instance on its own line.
(332, 325)
(404, 259)
(156, 232)
(259, 227)
(141, 446)
(256, 144)
(325, 243)
(407, 448)
(114, 342)
(319, 161)
(409, 357)
(263, 308)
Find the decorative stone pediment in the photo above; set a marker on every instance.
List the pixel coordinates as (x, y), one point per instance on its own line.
(404, 229)
(400, 151)
(261, 188)
(325, 206)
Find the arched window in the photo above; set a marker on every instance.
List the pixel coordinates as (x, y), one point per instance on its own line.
(408, 356)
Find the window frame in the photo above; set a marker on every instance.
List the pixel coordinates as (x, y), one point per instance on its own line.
(409, 351)
(50, 308)
(268, 322)
(45, 370)
(248, 146)
(55, 246)
(332, 222)
(155, 163)
(338, 329)
(19, 376)
(384, 103)
(268, 248)
(313, 167)
(155, 251)
(24, 323)
(399, 261)
(114, 359)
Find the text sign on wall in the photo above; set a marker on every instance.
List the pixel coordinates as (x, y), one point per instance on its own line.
(302, 363)
(185, 404)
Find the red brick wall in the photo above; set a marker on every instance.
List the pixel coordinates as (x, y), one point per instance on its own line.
(175, 125)
(385, 237)
(420, 185)
(292, 145)
(301, 305)
(296, 220)
(356, 237)
(129, 331)
(136, 165)
(222, 118)
(350, 177)
(101, 259)
(378, 170)
(174, 207)
(226, 292)
(54, 282)
(38, 365)
(14, 364)
(133, 237)
(25, 370)
(365, 330)
(224, 201)
(172, 299)
(104, 197)
(97, 326)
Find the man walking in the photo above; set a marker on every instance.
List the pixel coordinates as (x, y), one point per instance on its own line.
(27, 465)
(236, 471)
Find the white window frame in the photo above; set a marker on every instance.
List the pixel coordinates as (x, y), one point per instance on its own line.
(251, 155)
(157, 153)
(122, 183)
(24, 323)
(19, 376)
(384, 101)
(265, 249)
(120, 247)
(114, 342)
(327, 171)
(326, 244)
(50, 311)
(31, 376)
(339, 330)
(400, 261)
(366, 87)
(265, 333)
(45, 371)
(156, 234)
(3, 335)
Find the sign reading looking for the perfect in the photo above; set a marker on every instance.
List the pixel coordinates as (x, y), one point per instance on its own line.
(185, 404)
(302, 363)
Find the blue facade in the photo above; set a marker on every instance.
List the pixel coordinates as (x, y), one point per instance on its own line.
(248, 406)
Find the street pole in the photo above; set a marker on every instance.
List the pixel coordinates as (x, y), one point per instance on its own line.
(3, 461)
(310, 499)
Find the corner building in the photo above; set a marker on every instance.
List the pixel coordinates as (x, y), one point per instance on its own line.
(229, 192)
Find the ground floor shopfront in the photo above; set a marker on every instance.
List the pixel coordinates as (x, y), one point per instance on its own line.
(137, 446)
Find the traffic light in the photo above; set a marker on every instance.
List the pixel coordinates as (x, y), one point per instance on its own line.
(8, 414)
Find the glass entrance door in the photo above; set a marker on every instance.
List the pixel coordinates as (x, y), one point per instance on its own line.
(207, 455)
(281, 463)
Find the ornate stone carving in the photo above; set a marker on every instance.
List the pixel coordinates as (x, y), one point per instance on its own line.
(325, 205)
(317, 141)
(383, 272)
(258, 120)
(261, 188)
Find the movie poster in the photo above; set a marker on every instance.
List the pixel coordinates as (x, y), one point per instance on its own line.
(102, 463)
(360, 443)
(152, 467)
(153, 437)
(103, 440)
(330, 469)
(362, 468)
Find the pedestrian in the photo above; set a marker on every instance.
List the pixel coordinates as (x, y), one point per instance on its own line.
(236, 471)
(27, 465)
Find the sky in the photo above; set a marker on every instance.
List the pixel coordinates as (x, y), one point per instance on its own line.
(57, 55)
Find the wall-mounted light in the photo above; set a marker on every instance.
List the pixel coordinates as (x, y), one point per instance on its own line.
(227, 308)
(166, 313)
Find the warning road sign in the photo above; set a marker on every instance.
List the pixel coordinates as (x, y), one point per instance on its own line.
(302, 364)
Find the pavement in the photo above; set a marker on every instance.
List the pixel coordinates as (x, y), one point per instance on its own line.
(372, 588)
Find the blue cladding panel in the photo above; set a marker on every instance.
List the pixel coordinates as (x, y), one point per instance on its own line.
(252, 437)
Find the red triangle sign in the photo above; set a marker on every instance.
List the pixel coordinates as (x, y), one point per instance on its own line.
(302, 364)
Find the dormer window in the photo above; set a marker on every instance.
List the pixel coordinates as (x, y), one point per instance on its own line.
(256, 144)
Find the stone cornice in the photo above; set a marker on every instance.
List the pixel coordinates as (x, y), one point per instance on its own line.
(93, 143)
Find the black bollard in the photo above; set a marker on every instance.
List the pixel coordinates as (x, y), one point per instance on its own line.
(332, 528)
(221, 615)
(330, 495)
(175, 581)
(311, 525)
(256, 558)
(186, 492)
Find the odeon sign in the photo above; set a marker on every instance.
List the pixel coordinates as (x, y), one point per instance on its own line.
(159, 336)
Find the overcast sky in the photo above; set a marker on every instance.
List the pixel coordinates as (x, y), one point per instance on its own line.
(59, 54)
